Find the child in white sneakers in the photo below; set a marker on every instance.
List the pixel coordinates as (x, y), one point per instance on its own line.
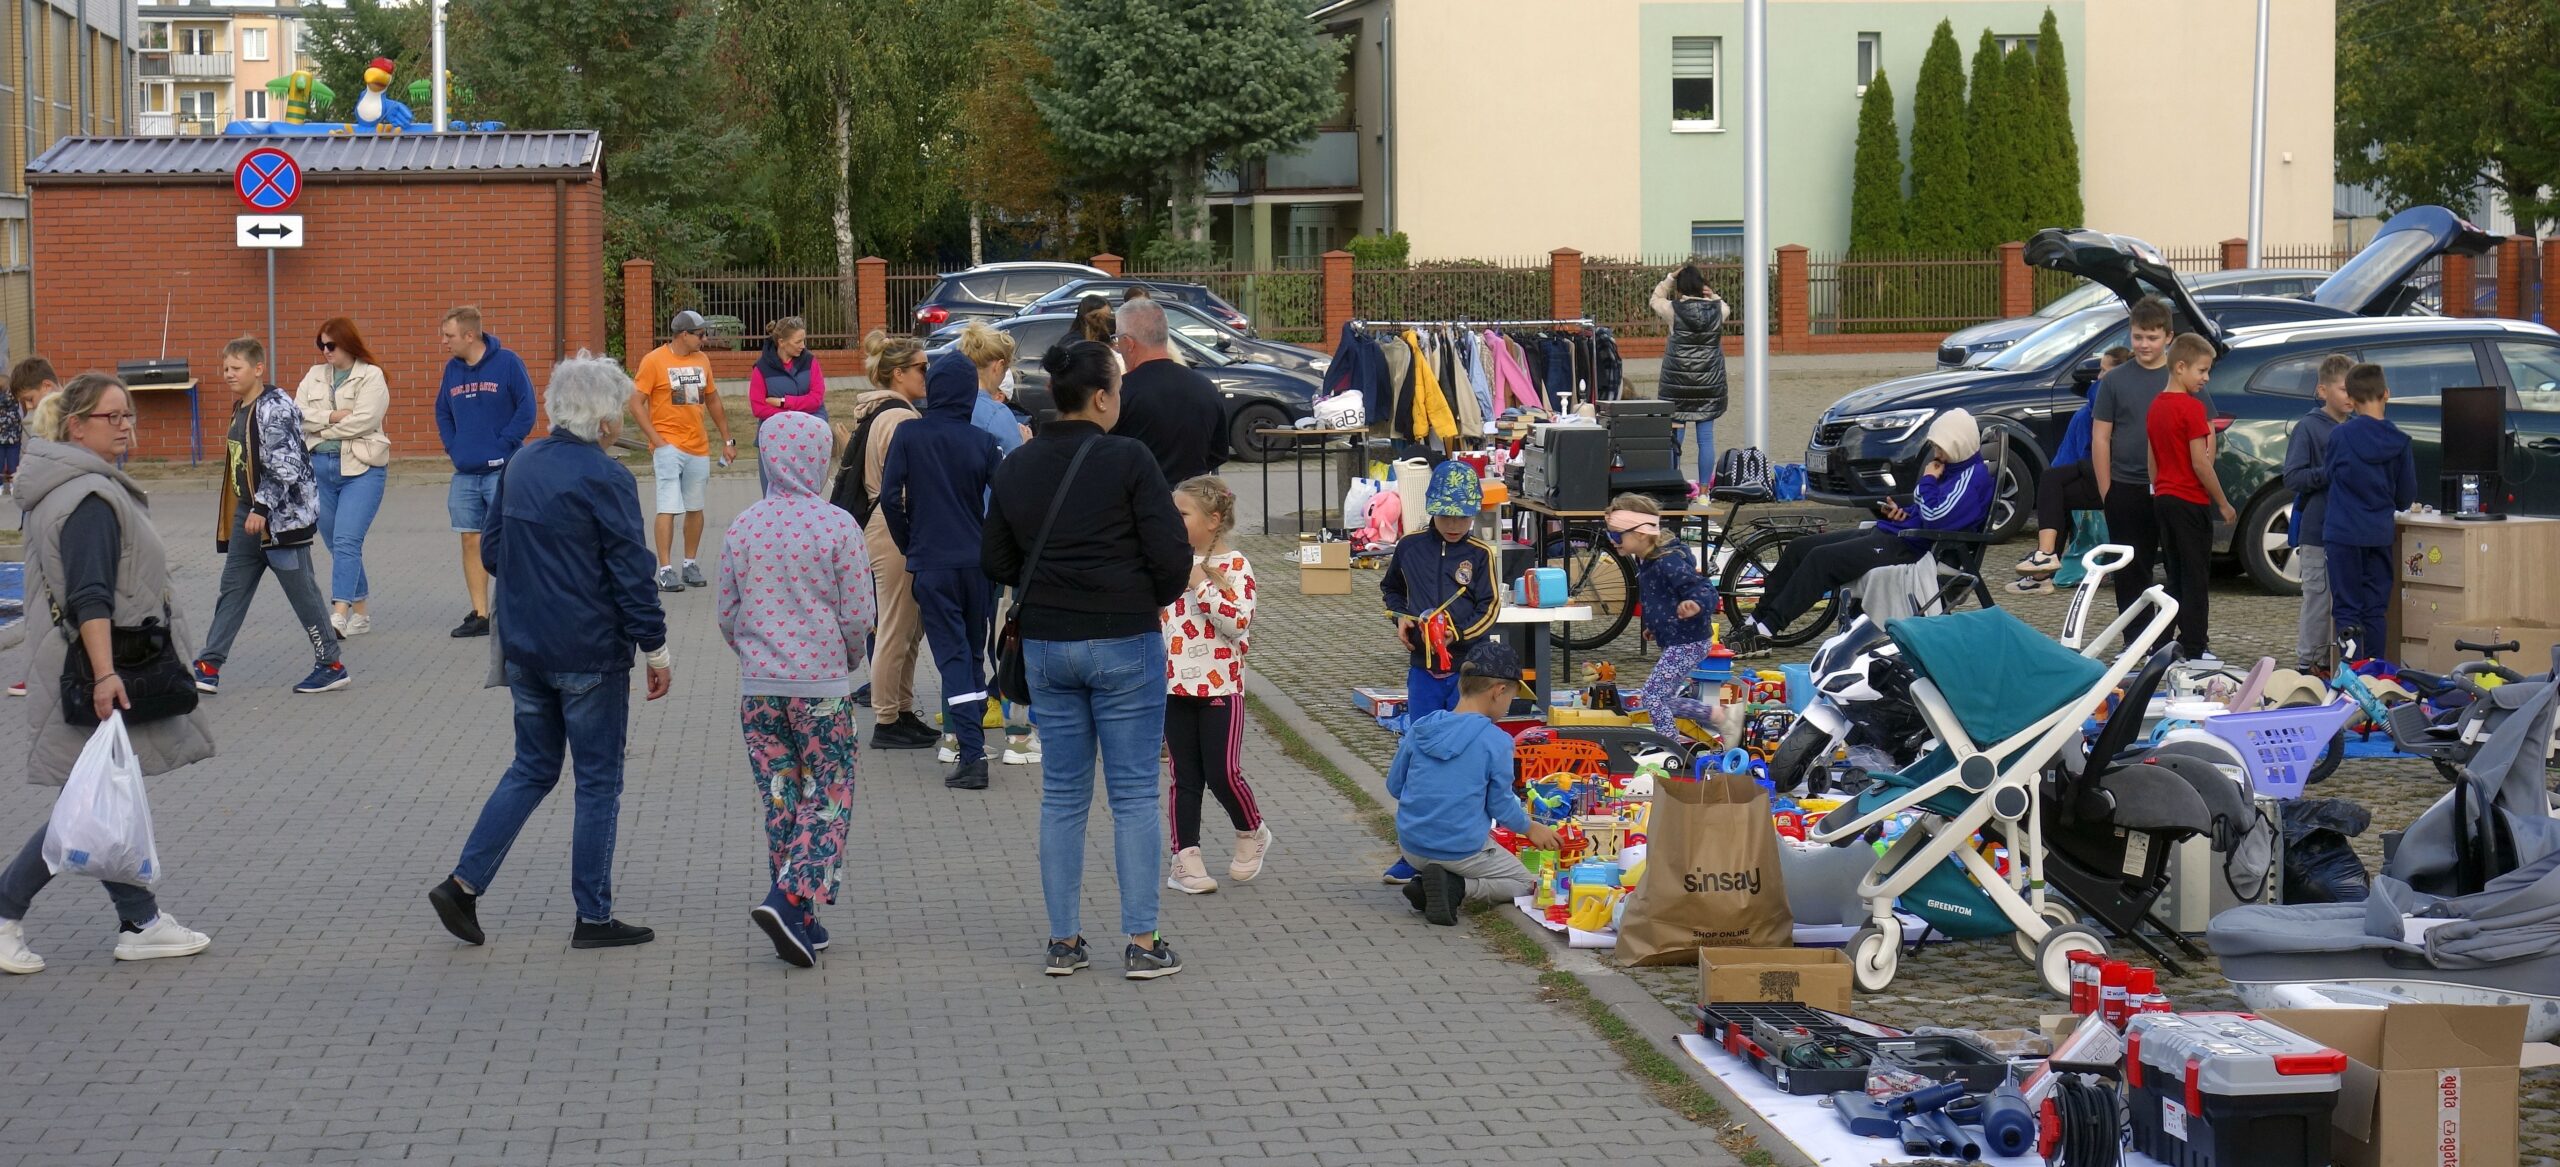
(1205, 636)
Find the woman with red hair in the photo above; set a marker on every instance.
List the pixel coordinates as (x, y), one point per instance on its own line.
(344, 402)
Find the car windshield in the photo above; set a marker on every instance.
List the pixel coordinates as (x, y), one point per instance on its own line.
(2057, 341)
(2087, 295)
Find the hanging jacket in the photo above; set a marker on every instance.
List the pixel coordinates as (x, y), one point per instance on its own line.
(1511, 384)
(1359, 366)
(1559, 358)
(1430, 417)
(1693, 356)
(1399, 368)
(1609, 373)
(1480, 378)
(1462, 382)
(1430, 574)
(802, 388)
(933, 484)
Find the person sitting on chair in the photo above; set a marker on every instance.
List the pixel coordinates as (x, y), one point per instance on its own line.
(1954, 494)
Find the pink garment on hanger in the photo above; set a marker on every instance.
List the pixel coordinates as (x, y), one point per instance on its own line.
(1510, 377)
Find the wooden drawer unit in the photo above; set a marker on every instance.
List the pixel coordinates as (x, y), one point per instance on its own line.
(2452, 573)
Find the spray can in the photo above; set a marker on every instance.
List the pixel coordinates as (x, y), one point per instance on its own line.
(2084, 982)
(2113, 976)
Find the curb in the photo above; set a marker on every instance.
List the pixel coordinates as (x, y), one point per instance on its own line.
(1629, 1000)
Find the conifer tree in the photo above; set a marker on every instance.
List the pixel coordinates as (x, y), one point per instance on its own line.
(1940, 217)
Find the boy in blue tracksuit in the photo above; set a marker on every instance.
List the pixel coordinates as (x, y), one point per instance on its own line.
(2372, 475)
(1451, 777)
(933, 491)
(2306, 474)
(1440, 571)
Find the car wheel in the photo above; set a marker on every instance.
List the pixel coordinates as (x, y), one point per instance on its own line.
(2263, 547)
(1249, 446)
(2015, 506)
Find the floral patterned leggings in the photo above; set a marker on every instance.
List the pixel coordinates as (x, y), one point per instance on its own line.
(1666, 689)
(803, 751)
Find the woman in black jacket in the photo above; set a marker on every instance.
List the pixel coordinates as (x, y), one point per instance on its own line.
(1115, 554)
(1693, 358)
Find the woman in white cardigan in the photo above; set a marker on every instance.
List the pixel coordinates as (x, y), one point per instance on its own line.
(344, 401)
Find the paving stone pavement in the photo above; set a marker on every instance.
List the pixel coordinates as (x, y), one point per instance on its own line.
(334, 1022)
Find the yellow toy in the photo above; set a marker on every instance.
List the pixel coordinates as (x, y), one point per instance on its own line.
(300, 92)
(1592, 905)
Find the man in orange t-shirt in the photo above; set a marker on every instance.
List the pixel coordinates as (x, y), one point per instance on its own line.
(670, 396)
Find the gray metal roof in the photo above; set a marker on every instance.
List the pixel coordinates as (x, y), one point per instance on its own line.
(546, 153)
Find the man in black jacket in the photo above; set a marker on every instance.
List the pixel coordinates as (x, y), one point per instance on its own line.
(1164, 403)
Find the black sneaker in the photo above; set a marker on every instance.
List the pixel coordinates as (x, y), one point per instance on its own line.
(1443, 891)
(1746, 644)
(610, 934)
(967, 776)
(1146, 964)
(862, 696)
(908, 732)
(458, 909)
(1413, 894)
(1065, 957)
(473, 624)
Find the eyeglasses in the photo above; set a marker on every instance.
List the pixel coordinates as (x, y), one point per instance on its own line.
(119, 417)
(328, 346)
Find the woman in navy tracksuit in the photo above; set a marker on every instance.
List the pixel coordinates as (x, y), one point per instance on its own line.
(933, 491)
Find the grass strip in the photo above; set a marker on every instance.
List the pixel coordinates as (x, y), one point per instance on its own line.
(1663, 1078)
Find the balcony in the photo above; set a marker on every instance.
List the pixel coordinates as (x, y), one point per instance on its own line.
(156, 125)
(182, 124)
(1330, 163)
(189, 66)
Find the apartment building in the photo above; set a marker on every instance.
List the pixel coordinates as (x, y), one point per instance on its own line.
(66, 68)
(203, 65)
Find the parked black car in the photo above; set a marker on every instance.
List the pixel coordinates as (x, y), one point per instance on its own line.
(1116, 288)
(1973, 345)
(1202, 328)
(994, 291)
(1257, 396)
(1869, 444)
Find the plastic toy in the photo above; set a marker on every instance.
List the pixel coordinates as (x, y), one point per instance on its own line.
(1594, 904)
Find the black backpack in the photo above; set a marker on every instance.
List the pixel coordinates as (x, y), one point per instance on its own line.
(852, 492)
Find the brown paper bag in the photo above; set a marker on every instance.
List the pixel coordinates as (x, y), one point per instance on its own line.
(1711, 876)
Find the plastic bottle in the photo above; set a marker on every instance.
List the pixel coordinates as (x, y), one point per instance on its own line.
(2112, 978)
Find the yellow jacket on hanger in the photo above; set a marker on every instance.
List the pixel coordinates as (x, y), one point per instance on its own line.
(1430, 406)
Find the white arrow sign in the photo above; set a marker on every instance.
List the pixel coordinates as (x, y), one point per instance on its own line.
(268, 231)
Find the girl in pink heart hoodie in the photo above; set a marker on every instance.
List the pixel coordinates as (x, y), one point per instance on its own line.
(795, 604)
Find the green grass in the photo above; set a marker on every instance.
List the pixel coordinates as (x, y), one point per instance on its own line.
(1663, 1078)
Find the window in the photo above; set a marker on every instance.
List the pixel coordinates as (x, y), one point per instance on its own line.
(2292, 376)
(253, 104)
(2535, 368)
(1695, 103)
(1870, 59)
(253, 44)
(2014, 41)
(195, 40)
(1715, 240)
(2419, 373)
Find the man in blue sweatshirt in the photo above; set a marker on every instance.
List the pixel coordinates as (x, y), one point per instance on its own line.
(1452, 776)
(2372, 475)
(484, 410)
(2306, 474)
(933, 491)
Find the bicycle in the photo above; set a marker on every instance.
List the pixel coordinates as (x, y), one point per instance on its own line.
(1601, 577)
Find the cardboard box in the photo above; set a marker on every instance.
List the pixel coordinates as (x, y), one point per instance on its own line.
(1324, 569)
(2425, 1084)
(1813, 976)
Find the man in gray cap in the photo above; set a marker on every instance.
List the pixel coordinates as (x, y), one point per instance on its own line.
(671, 394)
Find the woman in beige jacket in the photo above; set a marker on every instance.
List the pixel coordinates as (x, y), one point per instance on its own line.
(344, 400)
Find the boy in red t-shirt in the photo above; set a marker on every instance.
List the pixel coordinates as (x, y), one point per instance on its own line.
(2185, 493)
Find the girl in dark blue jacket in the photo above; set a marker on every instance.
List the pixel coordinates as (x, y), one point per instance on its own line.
(1679, 609)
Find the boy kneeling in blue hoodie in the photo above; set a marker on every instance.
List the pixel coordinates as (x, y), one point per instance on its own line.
(933, 498)
(1451, 780)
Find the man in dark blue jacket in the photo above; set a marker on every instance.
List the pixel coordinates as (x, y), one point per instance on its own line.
(565, 544)
(933, 491)
(484, 410)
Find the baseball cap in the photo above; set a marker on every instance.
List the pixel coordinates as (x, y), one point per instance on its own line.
(688, 321)
(1492, 658)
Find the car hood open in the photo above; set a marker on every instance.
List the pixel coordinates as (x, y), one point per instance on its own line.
(2127, 266)
(2376, 281)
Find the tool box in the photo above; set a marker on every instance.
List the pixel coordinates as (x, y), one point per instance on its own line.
(2229, 1090)
(1761, 1032)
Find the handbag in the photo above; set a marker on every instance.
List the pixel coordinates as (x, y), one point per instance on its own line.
(1013, 677)
(155, 680)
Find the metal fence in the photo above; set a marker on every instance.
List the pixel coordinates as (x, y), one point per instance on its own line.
(1902, 292)
(1284, 304)
(1454, 289)
(1617, 293)
(741, 305)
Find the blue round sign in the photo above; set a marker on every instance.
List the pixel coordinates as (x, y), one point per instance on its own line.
(267, 179)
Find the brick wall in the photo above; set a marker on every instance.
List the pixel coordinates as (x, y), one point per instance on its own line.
(390, 255)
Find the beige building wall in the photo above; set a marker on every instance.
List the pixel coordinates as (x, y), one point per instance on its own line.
(2165, 153)
(249, 76)
(1516, 126)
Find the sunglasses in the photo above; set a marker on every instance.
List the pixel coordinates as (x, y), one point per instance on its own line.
(328, 346)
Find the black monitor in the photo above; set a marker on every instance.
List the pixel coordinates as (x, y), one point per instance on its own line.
(2474, 447)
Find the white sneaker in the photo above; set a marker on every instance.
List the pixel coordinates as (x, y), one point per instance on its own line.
(1023, 751)
(357, 624)
(338, 624)
(1190, 873)
(163, 936)
(948, 750)
(15, 956)
(1251, 847)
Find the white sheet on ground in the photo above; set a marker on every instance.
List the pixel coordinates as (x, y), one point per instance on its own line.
(1807, 935)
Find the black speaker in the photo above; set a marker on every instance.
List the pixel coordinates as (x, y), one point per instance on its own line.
(1567, 467)
(2474, 446)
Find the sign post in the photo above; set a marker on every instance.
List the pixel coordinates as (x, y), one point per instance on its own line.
(268, 181)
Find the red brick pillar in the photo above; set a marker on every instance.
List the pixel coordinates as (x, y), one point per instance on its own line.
(2235, 254)
(2514, 261)
(2548, 303)
(1109, 262)
(1564, 284)
(2017, 282)
(639, 310)
(1794, 314)
(2458, 284)
(1333, 292)
(871, 295)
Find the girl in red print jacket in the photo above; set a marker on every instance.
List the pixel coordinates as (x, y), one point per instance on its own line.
(1205, 635)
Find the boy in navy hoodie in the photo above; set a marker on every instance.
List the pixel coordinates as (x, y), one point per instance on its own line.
(2372, 475)
(484, 410)
(933, 491)
(1451, 776)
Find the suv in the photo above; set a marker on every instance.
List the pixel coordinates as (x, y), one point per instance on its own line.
(993, 291)
(1257, 396)
(1115, 289)
(1973, 345)
(1869, 445)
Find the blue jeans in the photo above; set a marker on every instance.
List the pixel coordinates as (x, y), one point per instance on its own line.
(587, 715)
(347, 507)
(1706, 449)
(1108, 693)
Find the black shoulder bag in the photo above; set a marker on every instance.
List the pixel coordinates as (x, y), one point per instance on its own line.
(155, 680)
(1013, 678)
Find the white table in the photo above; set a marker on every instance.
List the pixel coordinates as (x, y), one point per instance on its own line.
(1512, 614)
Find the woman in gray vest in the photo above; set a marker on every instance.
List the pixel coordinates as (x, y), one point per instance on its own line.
(93, 556)
(1692, 359)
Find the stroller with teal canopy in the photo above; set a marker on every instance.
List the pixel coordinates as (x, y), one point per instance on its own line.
(2007, 706)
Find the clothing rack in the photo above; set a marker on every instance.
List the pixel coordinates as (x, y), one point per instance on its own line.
(1564, 377)
(1365, 325)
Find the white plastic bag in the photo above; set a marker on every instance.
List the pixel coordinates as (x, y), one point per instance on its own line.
(1355, 501)
(101, 825)
(1343, 411)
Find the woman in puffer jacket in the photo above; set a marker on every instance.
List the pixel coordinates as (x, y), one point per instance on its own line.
(1692, 359)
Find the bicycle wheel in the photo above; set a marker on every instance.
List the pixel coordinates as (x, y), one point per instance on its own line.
(1596, 576)
(1746, 578)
